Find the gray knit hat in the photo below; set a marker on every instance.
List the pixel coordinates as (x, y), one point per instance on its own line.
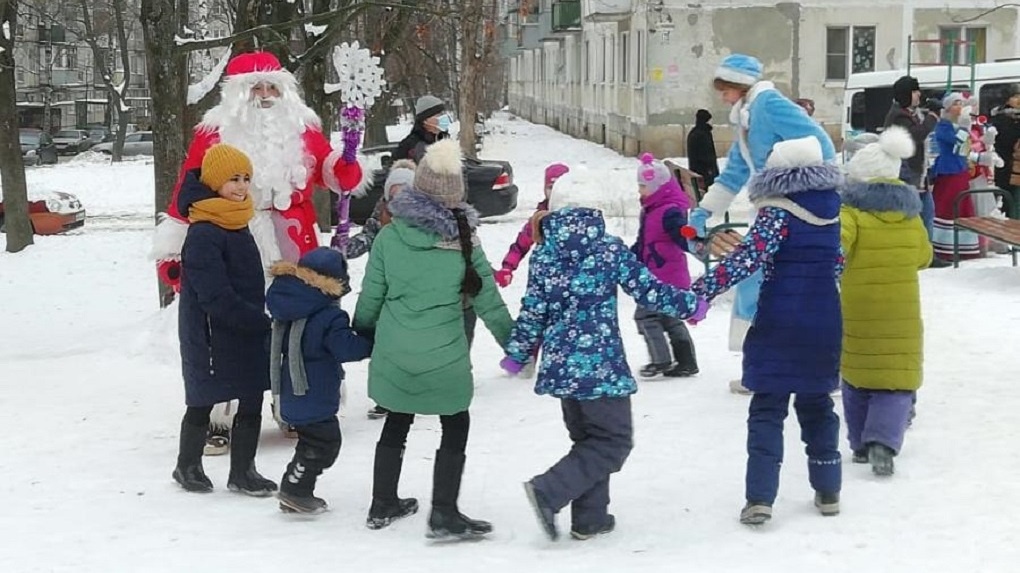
(401, 173)
(428, 106)
(440, 175)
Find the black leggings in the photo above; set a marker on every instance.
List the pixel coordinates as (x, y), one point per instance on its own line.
(455, 430)
(246, 408)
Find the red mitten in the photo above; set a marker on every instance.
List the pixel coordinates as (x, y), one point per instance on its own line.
(348, 175)
(169, 272)
(296, 198)
(504, 277)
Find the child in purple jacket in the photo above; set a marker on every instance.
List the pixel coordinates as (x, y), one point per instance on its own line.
(522, 245)
(660, 246)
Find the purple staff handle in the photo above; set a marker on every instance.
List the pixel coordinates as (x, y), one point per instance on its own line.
(352, 126)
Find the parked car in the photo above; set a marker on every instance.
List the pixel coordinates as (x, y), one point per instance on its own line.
(37, 147)
(137, 143)
(68, 141)
(51, 212)
(490, 186)
(97, 135)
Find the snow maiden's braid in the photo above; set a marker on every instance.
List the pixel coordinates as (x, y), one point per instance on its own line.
(471, 285)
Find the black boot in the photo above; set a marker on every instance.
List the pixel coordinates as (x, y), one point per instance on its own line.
(386, 506)
(686, 360)
(881, 457)
(298, 485)
(189, 472)
(652, 370)
(243, 476)
(546, 515)
(445, 520)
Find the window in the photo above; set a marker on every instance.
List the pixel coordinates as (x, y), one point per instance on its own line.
(849, 49)
(625, 57)
(19, 75)
(611, 59)
(601, 59)
(19, 31)
(67, 58)
(639, 70)
(959, 42)
(528, 12)
(587, 61)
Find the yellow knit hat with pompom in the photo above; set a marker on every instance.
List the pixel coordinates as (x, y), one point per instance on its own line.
(221, 163)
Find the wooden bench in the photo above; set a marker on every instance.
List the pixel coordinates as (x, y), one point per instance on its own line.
(694, 185)
(1005, 231)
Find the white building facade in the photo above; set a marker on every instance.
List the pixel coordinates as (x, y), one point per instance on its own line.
(632, 73)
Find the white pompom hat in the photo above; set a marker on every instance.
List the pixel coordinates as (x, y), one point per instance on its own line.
(882, 160)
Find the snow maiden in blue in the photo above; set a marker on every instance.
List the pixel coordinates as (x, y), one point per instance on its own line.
(793, 345)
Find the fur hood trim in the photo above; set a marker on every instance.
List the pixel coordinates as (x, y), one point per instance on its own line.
(420, 210)
(328, 286)
(883, 197)
(782, 182)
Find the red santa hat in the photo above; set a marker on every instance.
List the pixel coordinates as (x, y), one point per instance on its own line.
(245, 70)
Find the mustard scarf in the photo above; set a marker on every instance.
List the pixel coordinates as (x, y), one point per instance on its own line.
(230, 215)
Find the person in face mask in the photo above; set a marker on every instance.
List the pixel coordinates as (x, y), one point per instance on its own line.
(431, 124)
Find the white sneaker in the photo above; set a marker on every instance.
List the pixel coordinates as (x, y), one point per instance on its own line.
(737, 387)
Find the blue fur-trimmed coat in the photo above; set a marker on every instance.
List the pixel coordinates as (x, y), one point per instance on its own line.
(794, 342)
(570, 307)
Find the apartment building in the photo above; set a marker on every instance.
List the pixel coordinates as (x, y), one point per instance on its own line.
(632, 73)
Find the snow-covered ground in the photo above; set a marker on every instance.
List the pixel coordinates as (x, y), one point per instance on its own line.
(92, 398)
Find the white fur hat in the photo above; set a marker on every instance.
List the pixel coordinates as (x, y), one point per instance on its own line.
(802, 152)
(882, 160)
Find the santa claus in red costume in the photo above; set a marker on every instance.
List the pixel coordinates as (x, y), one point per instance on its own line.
(261, 113)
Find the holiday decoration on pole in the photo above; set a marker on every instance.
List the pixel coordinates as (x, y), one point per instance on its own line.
(360, 83)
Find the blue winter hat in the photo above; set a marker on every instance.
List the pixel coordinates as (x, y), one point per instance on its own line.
(739, 69)
(326, 262)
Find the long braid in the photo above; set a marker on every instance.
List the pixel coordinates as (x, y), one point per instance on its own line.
(472, 283)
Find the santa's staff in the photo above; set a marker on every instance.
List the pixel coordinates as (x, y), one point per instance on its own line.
(360, 83)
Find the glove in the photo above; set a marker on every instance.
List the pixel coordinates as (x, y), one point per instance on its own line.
(698, 221)
(297, 198)
(504, 277)
(700, 312)
(281, 201)
(511, 366)
(170, 273)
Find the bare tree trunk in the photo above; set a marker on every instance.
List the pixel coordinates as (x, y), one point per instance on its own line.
(470, 73)
(12, 168)
(313, 79)
(114, 93)
(168, 74)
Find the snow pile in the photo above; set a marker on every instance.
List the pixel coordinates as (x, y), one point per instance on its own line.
(199, 90)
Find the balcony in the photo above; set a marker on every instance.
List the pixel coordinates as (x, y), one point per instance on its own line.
(566, 15)
(608, 10)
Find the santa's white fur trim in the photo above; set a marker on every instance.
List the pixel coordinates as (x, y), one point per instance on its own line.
(718, 199)
(168, 239)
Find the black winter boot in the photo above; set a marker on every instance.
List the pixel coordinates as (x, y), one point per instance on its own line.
(445, 520)
(243, 476)
(298, 484)
(189, 472)
(686, 360)
(386, 506)
(652, 370)
(545, 514)
(881, 457)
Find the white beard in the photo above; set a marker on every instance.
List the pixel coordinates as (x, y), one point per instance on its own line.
(273, 140)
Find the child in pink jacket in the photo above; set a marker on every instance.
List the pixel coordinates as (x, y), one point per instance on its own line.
(522, 245)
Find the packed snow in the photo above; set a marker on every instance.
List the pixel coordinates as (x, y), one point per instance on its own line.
(92, 401)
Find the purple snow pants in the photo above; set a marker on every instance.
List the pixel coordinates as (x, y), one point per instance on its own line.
(876, 416)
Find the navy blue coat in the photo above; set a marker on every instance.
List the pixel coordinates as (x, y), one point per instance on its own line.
(795, 340)
(327, 341)
(222, 323)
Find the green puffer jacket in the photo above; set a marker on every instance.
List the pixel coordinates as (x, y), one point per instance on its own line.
(410, 298)
(885, 244)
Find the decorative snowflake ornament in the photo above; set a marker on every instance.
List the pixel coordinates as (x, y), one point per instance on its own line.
(361, 77)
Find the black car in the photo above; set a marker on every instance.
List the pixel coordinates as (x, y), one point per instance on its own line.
(37, 147)
(490, 186)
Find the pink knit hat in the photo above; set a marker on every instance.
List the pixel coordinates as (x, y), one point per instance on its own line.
(554, 172)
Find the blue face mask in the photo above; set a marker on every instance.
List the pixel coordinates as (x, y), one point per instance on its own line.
(444, 123)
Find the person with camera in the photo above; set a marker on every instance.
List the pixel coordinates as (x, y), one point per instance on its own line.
(907, 112)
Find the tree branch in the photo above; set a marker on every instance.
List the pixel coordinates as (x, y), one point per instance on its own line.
(326, 18)
(956, 20)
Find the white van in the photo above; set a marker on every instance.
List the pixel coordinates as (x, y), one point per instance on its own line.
(869, 96)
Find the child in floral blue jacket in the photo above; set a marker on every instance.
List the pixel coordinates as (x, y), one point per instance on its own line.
(570, 309)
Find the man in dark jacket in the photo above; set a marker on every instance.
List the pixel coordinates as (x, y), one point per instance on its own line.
(430, 125)
(701, 156)
(906, 113)
(1006, 119)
